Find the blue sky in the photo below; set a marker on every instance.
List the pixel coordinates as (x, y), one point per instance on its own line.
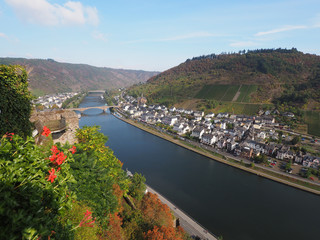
(153, 34)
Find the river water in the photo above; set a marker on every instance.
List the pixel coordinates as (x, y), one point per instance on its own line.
(225, 200)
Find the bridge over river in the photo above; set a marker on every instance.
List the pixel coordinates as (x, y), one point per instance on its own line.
(104, 108)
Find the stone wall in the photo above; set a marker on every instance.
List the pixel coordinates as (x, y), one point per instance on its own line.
(63, 123)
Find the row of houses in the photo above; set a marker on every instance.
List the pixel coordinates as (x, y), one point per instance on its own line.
(238, 134)
(54, 99)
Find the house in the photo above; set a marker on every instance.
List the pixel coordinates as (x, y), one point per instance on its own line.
(267, 112)
(257, 126)
(244, 118)
(126, 107)
(197, 132)
(237, 151)
(207, 119)
(137, 113)
(231, 145)
(207, 124)
(152, 120)
(270, 149)
(197, 118)
(261, 112)
(284, 153)
(157, 107)
(177, 126)
(188, 111)
(311, 161)
(163, 108)
(246, 152)
(131, 110)
(261, 135)
(169, 120)
(222, 143)
(268, 120)
(223, 115)
(198, 114)
(299, 157)
(185, 128)
(180, 110)
(208, 138)
(288, 114)
(258, 120)
(172, 109)
(233, 116)
(144, 117)
(210, 115)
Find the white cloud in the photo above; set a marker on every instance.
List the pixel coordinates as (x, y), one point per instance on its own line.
(277, 30)
(45, 13)
(2, 35)
(100, 36)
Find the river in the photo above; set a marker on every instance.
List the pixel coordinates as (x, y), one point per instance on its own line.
(225, 200)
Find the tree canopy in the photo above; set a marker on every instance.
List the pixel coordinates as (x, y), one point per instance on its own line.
(15, 105)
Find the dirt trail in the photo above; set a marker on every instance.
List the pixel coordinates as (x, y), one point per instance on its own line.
(235, 98)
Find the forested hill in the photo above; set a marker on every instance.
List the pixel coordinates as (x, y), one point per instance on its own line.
(49, 76)
(274, 72)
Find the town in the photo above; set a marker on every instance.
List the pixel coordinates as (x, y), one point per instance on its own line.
(53, 100)
(258, 138)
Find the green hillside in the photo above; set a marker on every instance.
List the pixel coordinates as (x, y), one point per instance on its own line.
(259, 76)
(234, 93)
(49, 76)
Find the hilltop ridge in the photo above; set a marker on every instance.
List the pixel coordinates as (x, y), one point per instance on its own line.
(50, 76)
(272, 74)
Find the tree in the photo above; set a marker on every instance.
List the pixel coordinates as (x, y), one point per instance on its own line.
(261, 158)
(155, 212)
(230, 125)
(137, 187)
(15, 101)
(288, 165)
(54, 106)
(296, 140)
(164, 233)
(114, 231)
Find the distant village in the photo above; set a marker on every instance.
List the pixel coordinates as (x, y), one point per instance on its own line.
(48, 101)
(241, 135)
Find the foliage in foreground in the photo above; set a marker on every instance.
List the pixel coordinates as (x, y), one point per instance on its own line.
(75, 192)
(15, 106)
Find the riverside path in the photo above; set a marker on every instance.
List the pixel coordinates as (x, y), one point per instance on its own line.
(189, 225)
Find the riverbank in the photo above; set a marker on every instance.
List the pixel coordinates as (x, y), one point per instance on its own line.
(257, 170)
(193, 228)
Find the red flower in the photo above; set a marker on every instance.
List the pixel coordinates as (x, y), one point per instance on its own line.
(54, 149)
(46, 131)
(87, 217)
(60, 158)
(59, 168)
(9, 135)
(52, 176)
(87, 213)
(53, 157)
(73, 149)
